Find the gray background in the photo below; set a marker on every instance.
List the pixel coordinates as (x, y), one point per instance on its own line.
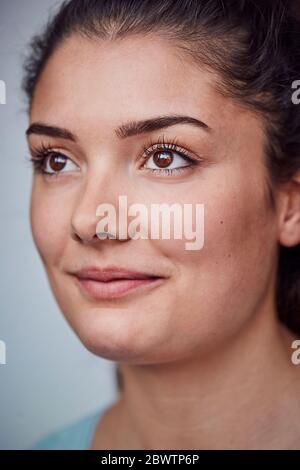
(50, 379)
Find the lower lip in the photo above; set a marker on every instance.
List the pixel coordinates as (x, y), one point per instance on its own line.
(113, 289)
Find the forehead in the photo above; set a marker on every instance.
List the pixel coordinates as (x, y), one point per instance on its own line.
(127, 78)
(92, 86)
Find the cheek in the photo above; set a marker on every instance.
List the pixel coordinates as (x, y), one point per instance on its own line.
(49, 224)
(240, 232)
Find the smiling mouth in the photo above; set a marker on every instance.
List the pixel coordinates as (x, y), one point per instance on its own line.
(112, 283)
(115, 288)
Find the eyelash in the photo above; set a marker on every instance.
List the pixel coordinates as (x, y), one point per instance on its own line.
(161, 144)
(40, 154)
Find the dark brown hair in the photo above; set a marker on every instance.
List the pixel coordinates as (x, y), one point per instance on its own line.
(254, 45)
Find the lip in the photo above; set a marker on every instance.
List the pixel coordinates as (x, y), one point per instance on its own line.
(112, 282)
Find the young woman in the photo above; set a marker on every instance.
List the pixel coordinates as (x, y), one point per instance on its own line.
(188, 101)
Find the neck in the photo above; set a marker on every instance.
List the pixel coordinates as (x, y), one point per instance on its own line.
(238, 396)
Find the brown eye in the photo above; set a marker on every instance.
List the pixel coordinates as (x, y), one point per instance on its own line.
(56, 162)
(162, 159)
(166, 160)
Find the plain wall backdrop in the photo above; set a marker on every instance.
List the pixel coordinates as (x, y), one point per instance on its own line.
(49, 379)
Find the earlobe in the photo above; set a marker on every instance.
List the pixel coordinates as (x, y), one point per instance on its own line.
(289, 224)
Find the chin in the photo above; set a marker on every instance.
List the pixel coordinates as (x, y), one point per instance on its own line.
(108, 334)
(126, 341)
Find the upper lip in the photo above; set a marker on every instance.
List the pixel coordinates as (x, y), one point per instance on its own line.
(110, 273)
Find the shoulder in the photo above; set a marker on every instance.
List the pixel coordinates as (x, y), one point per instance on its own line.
(75, 436)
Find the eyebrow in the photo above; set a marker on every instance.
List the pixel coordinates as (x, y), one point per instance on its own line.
(129, 129)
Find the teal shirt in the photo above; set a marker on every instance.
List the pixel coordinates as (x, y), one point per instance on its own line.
(76, 436)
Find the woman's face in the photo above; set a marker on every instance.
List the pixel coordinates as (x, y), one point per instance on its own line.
(205, 296)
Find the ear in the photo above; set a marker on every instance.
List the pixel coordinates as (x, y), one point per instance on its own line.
(289, 217)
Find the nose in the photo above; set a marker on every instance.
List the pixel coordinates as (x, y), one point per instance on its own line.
(99, 188)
